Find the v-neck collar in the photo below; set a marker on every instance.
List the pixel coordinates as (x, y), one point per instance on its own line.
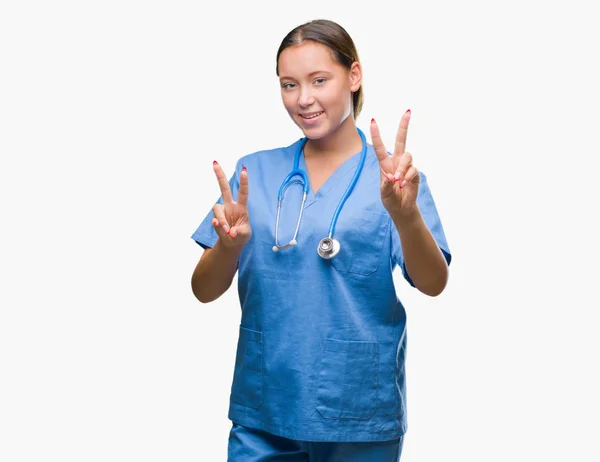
(349, 165)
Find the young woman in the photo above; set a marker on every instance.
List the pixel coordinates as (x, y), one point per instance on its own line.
(319, 372)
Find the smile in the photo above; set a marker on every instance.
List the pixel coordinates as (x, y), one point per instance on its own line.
(312, 116)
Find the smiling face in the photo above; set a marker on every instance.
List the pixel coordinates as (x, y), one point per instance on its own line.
(316, 90)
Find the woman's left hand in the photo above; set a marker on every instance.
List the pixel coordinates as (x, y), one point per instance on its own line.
(399, 177)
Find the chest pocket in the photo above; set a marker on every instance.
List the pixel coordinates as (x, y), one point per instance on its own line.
(362, 237)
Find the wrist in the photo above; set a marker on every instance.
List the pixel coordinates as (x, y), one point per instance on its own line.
(232, 250)
(406, 216)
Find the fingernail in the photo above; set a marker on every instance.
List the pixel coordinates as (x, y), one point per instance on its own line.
(215, 222)
(403, 184)
(397, 176)
(226, 229)
(372, 120)
(215, 162)
(390, 177)
(408, 110)
(244, 169)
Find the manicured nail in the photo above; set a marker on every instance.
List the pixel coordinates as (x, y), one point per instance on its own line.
(372, 120)
(403, 184)
(215, 222)
(244, 169)
(397, 176)
(408, 110)
(215, 162)
(226, 229)
(389, 177)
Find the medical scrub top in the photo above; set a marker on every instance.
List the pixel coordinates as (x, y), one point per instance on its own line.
(322, 343)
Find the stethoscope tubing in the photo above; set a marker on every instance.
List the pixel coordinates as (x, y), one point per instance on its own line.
(298, 171)
(359, 168)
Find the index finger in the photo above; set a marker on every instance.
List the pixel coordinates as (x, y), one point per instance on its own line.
(223, 183)
(378, 142)
(400, 145)
(243, 191)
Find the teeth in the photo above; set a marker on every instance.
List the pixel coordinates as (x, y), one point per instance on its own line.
(314, 115)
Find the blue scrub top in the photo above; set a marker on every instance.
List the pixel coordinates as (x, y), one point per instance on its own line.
(322, 343)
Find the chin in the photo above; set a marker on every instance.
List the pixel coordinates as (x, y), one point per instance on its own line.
(314, 133)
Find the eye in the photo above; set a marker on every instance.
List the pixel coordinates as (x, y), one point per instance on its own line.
(320, 81)
(287, 86)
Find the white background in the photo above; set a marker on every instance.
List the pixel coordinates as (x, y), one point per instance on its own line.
(111, 114)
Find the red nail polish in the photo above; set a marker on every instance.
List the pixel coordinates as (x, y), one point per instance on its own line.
(215, 162)
(409, 111)
(372, 120)
(244, 169)
(228, 231)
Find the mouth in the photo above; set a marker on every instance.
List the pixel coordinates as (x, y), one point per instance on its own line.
(311, 116)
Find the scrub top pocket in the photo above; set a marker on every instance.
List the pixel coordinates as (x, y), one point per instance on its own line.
(348, 380)
(248, 373)
(361, 236)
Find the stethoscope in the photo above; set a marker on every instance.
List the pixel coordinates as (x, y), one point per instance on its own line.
(328, 246)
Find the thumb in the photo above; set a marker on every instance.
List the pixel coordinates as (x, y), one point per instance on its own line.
(387, 184)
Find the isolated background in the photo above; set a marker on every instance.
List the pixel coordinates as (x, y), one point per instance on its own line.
(111, 114)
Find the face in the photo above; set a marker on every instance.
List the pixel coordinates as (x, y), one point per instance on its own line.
(315, 89)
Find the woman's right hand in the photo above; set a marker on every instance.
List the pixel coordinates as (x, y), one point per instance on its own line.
(231, 220)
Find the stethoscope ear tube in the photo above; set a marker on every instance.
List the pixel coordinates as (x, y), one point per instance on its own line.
(293, 242)
(328, 247)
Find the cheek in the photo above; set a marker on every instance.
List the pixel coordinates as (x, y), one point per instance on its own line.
(336, 99)
(288, 102)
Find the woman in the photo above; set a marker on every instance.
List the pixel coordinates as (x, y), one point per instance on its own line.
(319, 371)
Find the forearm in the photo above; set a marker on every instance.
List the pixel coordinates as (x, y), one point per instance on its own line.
(423, 258)
(214, 272)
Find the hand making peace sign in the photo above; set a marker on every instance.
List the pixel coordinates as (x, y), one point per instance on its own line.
(399, 178)
(231, 221)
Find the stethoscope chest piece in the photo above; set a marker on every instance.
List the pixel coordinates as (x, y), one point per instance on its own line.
(328, 247)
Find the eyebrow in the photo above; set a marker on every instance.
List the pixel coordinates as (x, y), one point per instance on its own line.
(310, 75)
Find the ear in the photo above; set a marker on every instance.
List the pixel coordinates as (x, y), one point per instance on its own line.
(355, 76)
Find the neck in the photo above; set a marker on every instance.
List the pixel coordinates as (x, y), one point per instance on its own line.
(343, 142)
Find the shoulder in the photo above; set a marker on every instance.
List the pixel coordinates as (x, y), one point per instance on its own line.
(270, 155)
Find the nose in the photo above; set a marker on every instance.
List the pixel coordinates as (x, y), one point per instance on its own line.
(305, 98)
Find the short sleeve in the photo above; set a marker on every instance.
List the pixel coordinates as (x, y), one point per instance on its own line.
(432, 220)
(205, 235)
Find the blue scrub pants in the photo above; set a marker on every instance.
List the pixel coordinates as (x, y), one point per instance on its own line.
(252, 445)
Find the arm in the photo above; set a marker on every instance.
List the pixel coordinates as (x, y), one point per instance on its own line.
(217, 266)
(425, 262)
(214, 272)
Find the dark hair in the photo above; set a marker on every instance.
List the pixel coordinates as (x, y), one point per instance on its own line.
(334, 37)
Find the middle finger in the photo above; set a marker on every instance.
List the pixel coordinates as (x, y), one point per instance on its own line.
(403, 165)
(400, 145)
(223, 183)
